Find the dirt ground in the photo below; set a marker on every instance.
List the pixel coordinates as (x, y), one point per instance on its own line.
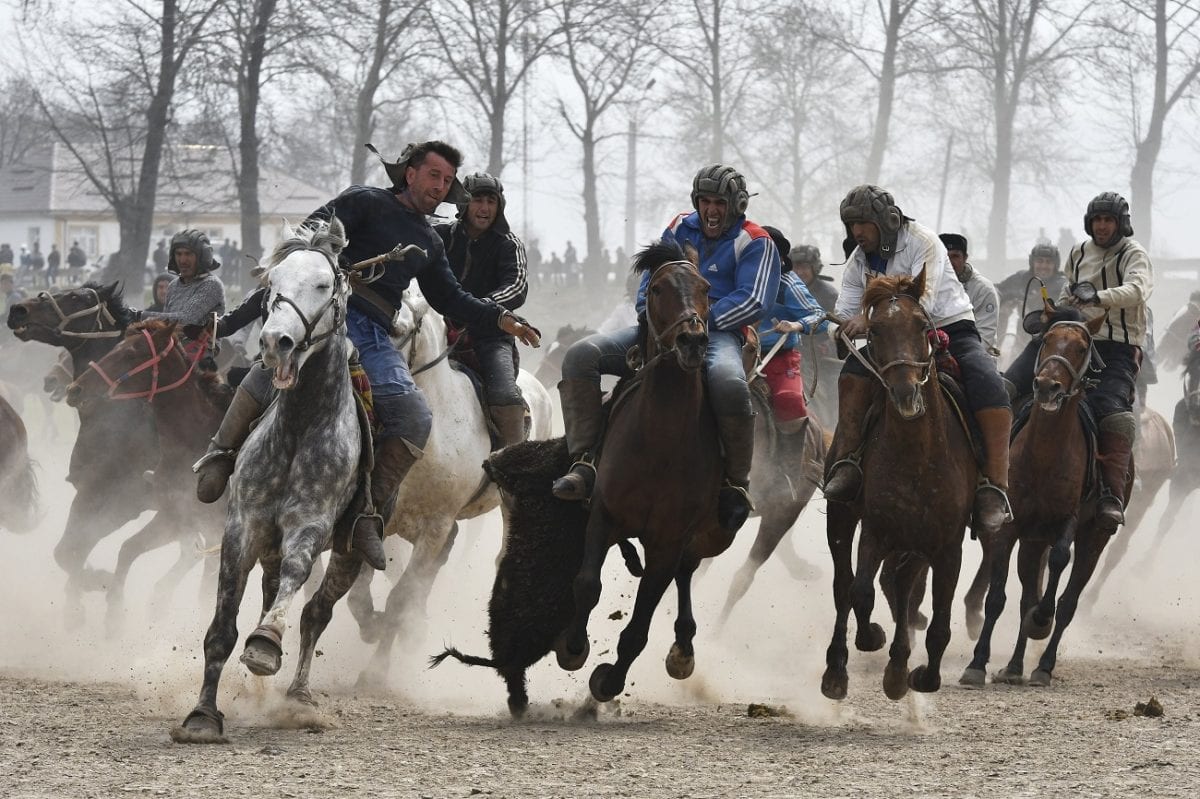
(83, 715)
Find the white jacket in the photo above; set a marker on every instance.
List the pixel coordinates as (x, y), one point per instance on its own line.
(917, 248)
(985, 301)
(1123, 279)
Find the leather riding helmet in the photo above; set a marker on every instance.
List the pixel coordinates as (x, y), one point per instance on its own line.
(483, 183)
(198, 243)
(1109, 203)
(807, 254)
(867, 203)
(722, 181)
(395, 172)
(1045, 250)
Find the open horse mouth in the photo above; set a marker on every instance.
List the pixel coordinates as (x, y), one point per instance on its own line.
(284, 376)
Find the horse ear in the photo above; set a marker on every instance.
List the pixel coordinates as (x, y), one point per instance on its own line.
(1095, 323)
(692, 254)
(111, 289)
(288, 231)
(337, 234)
(916, 289)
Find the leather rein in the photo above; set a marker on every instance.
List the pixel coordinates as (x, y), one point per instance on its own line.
(152, 363)
(1079, 381)
(868, 361)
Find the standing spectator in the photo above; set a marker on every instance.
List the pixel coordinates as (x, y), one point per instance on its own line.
(37, 262)
(570, 264)
(53, 260)
(11, 293)
(160, 256)
(534, 259)
(24, 264)
(76, 257)
(6, 254)
(558, 270)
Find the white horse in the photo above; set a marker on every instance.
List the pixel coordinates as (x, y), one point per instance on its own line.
(296, 473)
(448, 484)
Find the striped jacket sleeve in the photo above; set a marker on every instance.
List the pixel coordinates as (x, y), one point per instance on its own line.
(513, 274)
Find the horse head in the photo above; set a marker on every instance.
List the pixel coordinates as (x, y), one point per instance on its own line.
(134, 368)
(676, 305)
(418, 332)
(898, 340)
(62, 318)
(307, 295)
(1065, 356)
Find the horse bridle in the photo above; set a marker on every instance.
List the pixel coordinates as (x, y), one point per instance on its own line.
(1078, 380)
(688, 317)
(339, 280)
(868, 360)
(409, 340)
(152, 363)
(99, 310)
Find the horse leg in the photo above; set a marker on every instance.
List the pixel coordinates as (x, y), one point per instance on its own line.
(1177, 493)
(205, 722)
(342, 572)
(681, 660)
(271, 565)
(997, 555)
(315, 578)
(979, 588)
(608, 679)
(870, 637)
(1087, 554)
(572, 646)
(1029, 571)
(158, 532)
(839, 530)
(773, 526)
(1037, 622)
(945, 568)
(916, 619)
(904, 571)
(263, 652)
(362, 606)
(92, 517)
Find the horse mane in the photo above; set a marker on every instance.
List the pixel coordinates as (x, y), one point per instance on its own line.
(663, 251)
(881, 288)
(113, 298)
(1064, 313)
(324, 236)
(153, 325)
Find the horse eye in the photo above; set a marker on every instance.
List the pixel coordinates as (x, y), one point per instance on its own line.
(323, 286)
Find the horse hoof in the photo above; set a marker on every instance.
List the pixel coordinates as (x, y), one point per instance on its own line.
(870, 639)
(596, 683)
(924, 680)
(371, 630)
(263, 654)
(895, 679)
(1006, 677)
(834, 683)
(302, 695)
(1034, 629)
(1039, 679)
(679, 665)
(974, 678)
(202, 726)
(974, 625)
(568, 660)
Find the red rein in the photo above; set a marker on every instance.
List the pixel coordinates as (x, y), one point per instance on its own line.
(152, 364)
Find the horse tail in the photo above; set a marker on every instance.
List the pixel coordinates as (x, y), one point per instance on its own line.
(470, 660)
(24, 496)
(630, 553)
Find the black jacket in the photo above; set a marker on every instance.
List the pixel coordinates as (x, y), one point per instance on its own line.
(254, 306)
(492, 266)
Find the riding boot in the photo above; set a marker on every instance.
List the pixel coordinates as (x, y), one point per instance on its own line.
(991, 497)
(843, 478)
(216, 466)
(1116, 449)
(393, 459)
(583, 416)
(733, 501)
(510, 421)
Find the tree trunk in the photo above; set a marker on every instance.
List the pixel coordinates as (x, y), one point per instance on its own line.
(1141, 179)
(496, 147)
(249, 95)
(364, 102)
(887, 95)
(997, 238)
(591, 206)
(718, 123)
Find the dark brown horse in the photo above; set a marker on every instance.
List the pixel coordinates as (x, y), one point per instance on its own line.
(18, 483)
(657, 478)
(1048, 480)
(117, 442)
(150, 367)
(918, 486)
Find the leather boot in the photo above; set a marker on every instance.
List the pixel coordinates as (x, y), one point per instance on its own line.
(733, 501)
(843, 478)
(216, 466)
(583, 416)
(393, 459)
(1116, 450)
(991, 498)
(510, 421)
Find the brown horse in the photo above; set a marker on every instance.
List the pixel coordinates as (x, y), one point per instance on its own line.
(150, 367)
(1048, 481)
(658, 477)
(116, 443)
(918, 487)
(18, 483)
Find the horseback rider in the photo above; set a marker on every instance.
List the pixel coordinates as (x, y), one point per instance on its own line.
(489, 261)
(985, 301)
(1111, 261)
(795, 311)
(739, 260)
(195, 294)
(888, 242)
(807, 265)
(1017, 291)
(376, 220)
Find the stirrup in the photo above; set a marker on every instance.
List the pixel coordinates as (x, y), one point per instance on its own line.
(212, 455)
(589, 481)
(743, 490)
(853, 460)
(734, 506)
(1115, 504)
(987, 485)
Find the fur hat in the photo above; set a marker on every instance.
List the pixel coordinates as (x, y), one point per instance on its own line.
(395, 169)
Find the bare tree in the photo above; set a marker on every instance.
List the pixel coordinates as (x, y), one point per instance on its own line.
(114, 120)
(22, 127)
(1157, 67)
(490, 46)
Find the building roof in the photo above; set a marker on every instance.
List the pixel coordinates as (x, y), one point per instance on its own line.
(195, 180)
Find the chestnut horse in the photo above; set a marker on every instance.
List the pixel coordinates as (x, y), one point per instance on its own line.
(918, 487)
(658, 476)
(150, 364)
(1047, 484)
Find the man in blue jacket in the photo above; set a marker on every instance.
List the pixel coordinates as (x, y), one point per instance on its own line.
(741, 264)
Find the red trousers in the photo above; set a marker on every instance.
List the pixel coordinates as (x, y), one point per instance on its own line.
(787, 386)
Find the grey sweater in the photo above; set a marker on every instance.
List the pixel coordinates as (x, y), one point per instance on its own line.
(192, 303)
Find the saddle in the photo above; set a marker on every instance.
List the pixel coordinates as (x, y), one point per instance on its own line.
(1091, 433)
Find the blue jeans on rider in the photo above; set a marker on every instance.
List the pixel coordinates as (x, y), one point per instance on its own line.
(399, 403)
(604, 354)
